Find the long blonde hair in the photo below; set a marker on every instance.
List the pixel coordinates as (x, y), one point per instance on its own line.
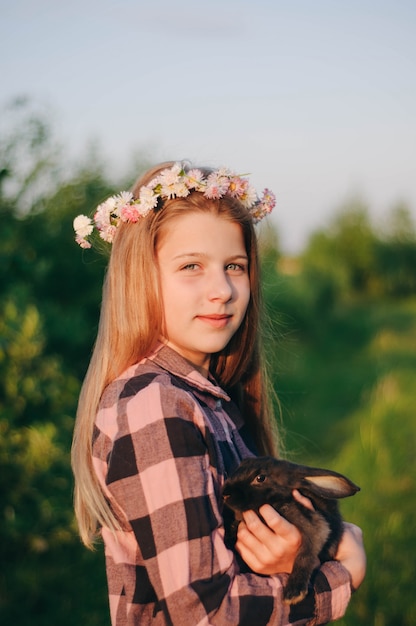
(130, 325)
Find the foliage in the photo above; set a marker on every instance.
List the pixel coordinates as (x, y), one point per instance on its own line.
(341, 344)
(345, 373)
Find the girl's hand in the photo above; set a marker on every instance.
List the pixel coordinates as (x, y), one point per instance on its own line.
(268, 548)
(271, 547)
(351, 553)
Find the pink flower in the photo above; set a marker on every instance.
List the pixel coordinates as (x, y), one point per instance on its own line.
(107, 233)
(238, 186)
(81, 241)
(130, 213)
(217, 186)
(263, 206)
(268, 200)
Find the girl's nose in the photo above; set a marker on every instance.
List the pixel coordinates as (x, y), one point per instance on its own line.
(220, 287)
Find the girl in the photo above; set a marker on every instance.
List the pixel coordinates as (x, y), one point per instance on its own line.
(174, 398)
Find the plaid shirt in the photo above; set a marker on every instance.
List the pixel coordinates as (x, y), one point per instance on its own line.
(165, 439)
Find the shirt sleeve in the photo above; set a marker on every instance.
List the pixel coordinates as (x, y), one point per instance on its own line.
(161, 476)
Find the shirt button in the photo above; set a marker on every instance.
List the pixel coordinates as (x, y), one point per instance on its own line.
(218, 404)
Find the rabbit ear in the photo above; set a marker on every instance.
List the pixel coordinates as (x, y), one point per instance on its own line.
(330, 485)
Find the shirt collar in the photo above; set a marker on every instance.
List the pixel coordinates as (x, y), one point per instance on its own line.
(165, 357)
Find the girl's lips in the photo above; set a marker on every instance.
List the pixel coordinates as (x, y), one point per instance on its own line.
(216, 321)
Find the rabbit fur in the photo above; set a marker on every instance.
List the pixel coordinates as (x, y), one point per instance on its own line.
(266, 480)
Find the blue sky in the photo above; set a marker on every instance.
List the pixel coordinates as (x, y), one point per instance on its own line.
(315, 98)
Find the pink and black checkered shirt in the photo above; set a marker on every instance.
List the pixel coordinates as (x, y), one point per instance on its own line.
(165, 439)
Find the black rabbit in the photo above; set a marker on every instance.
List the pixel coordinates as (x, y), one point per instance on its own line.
(266, 480)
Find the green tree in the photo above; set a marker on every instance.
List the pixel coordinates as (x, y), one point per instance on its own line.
(40, 320)
(395, 254)
(345, 250)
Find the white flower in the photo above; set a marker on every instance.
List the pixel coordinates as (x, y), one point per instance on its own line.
(225, 171)
(123, 198)
(170, 176)
(83, 226)
(194, 180)
(103, 213)
(180, 189)
(153, 183)
(172, 183)
(249, 197)
(110, 203)
(176, 189)
(148, 200)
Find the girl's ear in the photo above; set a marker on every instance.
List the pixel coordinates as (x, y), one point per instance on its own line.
(330, 485)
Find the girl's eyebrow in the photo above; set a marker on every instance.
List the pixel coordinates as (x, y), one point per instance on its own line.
(188, 255)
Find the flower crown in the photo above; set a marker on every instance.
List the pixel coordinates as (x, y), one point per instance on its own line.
(173, 182)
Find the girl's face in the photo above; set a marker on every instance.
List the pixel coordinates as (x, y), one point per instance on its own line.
(205, 285)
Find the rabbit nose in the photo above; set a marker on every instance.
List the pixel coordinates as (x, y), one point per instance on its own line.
(225, 497)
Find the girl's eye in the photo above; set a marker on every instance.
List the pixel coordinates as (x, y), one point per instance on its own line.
(236, 267)
(190, 266)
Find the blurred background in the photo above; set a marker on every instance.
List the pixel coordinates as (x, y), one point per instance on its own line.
(316, 101)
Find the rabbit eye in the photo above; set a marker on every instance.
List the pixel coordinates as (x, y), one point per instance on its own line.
(261, 478)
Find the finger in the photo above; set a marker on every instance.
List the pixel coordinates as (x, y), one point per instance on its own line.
(268, 555)
(282, 528)
(255, 525)
(248, 543)
(249, 556)
(257, 537)
(274, 537)
(256, 553)
(273, 523)
(303, 500)
(277, 522)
